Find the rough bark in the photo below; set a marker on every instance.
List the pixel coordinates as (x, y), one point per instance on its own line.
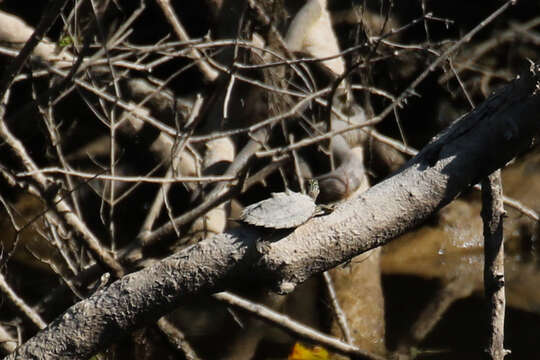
(459, 158)
(507, 121)
(492, 215)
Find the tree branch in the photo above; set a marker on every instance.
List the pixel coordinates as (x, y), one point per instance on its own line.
(492, 215)
(458, 159)
(47, 20)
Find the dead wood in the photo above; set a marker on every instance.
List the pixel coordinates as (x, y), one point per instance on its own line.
(459, 158)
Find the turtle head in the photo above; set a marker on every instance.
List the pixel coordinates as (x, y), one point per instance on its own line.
(313, 189)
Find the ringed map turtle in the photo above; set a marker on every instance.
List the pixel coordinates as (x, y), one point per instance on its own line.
(284, 210)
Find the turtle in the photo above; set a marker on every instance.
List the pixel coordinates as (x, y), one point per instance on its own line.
(284, 210)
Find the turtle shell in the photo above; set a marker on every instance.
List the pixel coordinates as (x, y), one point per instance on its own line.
(282, 211)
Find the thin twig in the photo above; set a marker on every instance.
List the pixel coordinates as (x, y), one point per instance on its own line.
(400, 99)
(56, 202)
(182, 34)
(47, 20)
(261, 175)
(161, 195)
(221, 193)
(447, 53)
(485, 47)
(129, 179)
(177, 339)
(341, 318)
(293, 327)
(19, 303)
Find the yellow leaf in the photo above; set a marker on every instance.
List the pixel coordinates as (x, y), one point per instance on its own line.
(302, 352)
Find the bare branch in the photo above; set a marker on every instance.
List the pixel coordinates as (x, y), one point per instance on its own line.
(62, 210)
(47, 20)
(177, 338)
(182, 34)
(440, 172)
(137, 179)
(341, 318)
(293, 327)
(19, 303)
(492, 215)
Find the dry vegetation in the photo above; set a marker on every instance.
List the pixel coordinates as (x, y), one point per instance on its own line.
(134, 132)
